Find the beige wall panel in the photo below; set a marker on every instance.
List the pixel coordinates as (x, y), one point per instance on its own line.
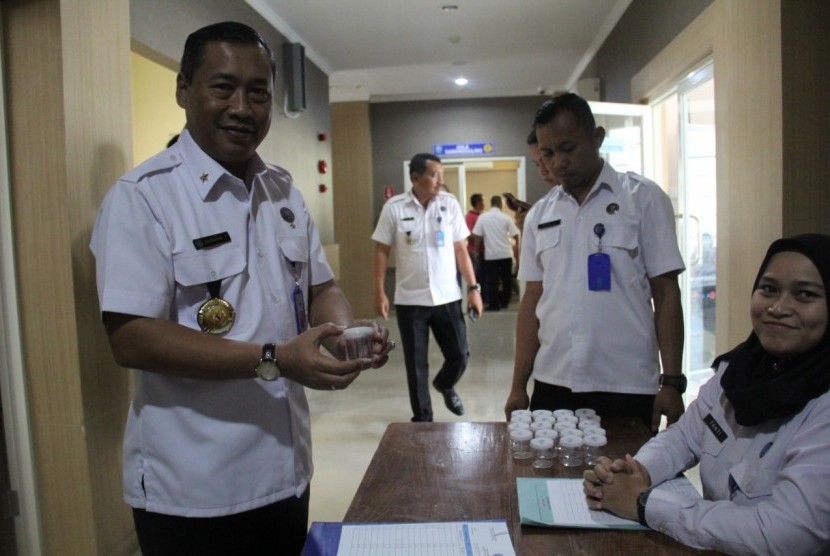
(98, 151)
(351, 144)
(744, 40)
(69, 140)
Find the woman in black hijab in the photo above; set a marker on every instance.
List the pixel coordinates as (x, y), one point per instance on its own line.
(760, 428)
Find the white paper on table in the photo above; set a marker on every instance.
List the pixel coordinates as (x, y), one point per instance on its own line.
(474, 538)
(570, 510)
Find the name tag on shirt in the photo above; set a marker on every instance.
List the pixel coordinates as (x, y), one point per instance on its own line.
(549, 224)
(211, 241)
(715, 427)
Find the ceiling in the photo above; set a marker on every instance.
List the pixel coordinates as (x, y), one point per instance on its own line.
(385, 50)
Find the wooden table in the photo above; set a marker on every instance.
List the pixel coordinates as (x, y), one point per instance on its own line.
(463, 472)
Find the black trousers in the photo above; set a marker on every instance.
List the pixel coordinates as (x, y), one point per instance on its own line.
(277, 529)
(606, 404)
(447, 325)
(498, 283)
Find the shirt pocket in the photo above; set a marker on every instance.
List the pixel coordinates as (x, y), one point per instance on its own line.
(548, 239)
(619, 236)
(752, 480)
(409, 233)
(203, 267)
(294, 248)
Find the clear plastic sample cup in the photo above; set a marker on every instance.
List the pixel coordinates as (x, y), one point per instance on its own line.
(520, 444)
(583, 412)
(520, 412)
(521, 418)
(570, 451)
(542, 452)
(518, 426)
(539, 414)
(560, 412)
(358, 342)
(593, 447)
(563, 426)
(539, 425)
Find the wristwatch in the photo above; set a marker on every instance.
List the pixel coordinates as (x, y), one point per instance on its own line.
(641, 506)
(267, 368)
(474, 288)
(678, 382)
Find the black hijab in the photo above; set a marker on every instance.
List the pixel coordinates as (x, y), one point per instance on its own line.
(759, 385)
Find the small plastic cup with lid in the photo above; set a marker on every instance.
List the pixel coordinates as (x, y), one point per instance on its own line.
(518, 426)
(568, 419)
(546, 433)
(570, 451)
(591, 419)
(560, 412)
(538, 414)
(518, 412)
(542, 452)
(583, 412)
(520, 444)
(539, 425)
(562, 426)
(593, 447)
(593, 429)
(521, 418)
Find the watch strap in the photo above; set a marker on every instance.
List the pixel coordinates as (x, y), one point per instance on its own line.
(678, 382)
(474, 288)
(269, 352)
(641, 506)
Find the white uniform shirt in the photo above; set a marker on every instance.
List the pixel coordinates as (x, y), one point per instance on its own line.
(766, 488)
(425, 271)
(497, 229)
(202, 448)
(599, 340)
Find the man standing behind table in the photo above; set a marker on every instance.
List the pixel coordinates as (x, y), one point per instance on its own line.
(476, 256)
(499, 236)
(210, 271)
(427, 228)
(597, 251)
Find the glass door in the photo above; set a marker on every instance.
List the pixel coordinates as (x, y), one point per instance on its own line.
(685, 164)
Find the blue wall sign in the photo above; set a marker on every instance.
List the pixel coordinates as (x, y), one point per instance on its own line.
(459, 149)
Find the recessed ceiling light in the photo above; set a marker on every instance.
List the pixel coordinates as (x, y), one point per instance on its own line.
(449, 8)
(461, 81)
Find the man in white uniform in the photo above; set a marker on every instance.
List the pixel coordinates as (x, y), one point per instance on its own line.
(500, 239)
(214, 287)
(597, 251)
(427, 228)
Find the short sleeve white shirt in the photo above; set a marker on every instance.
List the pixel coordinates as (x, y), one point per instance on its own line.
(423, 242)
(599, 340)
(201, 448)
(498, 231)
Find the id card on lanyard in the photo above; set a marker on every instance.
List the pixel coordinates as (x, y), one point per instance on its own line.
(599, 265)
(297, 299)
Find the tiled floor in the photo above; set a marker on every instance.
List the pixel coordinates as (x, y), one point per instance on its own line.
(347, 425)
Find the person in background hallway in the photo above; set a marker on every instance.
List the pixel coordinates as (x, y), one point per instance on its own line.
(427, 228)
(758, 428)
(476, 256)
(499, 236)
(214, 288)
(597, 251)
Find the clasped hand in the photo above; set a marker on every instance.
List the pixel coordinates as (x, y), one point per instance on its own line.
(615, 486)
(302, 361)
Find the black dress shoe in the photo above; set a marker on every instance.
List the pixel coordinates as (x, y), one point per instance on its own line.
(451, 400)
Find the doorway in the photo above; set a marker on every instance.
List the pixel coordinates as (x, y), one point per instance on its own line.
(685, 159)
